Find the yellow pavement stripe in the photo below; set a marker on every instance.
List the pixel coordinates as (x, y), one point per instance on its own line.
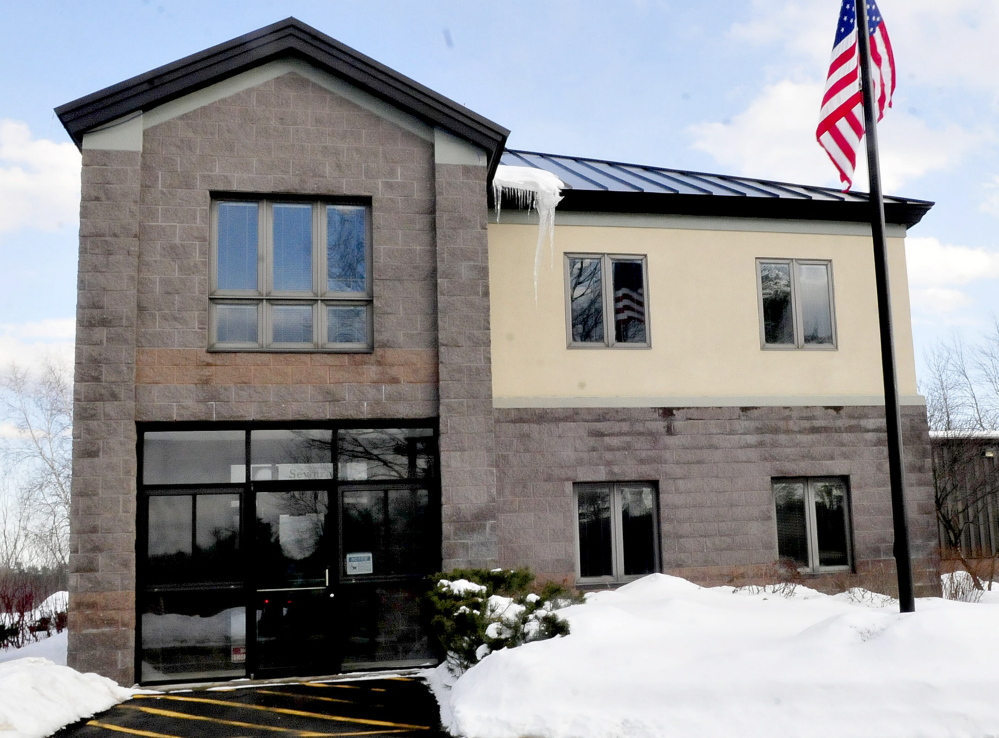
(307, 696)
(398, 679)
(132, 731)
(324, 684)
(340, 686)
(234, 723)
(284, 711)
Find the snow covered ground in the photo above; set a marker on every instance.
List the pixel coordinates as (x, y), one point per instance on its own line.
(663, 657)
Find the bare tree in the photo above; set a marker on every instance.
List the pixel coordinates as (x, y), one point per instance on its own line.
(36, 452)
(962, 402)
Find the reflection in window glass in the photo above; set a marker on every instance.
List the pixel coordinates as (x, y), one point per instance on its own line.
(831, 522)
(292, 323)
(193, 457)
(813, 522)
(775, 287)
(291, 454)
(193, 538)
(292, 247)
(792, 539)
(236, 323)
(386, 453)
(638, 535)
(595, 543)
(193, 635)
(290, 538)
(618, 530)
(347, 324)
(390, 524)
(237, 246)
(816, 313)
(382, 626)
(586, 300)
(629, 301)
(346, 235)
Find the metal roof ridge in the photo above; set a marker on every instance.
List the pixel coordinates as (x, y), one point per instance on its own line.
(826, 191)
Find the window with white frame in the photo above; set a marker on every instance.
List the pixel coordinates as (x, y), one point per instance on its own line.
(796, 303)
(606, 300)
(290, 275)
(813, 522)
(617, 530)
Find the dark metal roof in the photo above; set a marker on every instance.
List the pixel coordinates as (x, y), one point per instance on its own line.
(610, 186)
(287, 38)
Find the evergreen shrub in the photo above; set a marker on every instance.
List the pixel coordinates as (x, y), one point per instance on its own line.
(474, 612)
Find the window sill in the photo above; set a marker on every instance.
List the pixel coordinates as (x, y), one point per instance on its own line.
(287, 350)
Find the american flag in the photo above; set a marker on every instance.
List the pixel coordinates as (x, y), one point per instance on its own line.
(841, 124)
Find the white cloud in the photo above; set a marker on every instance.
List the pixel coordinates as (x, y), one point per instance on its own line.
(951, 43)
(775, 138)
(990, 203)
(940, 275)
(39, 181)
(935, 264)
(29, 345)
(937, 300)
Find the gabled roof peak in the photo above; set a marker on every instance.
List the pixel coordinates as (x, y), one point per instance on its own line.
(286, 38)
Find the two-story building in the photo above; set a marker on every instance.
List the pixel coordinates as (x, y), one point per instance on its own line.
(313, 367)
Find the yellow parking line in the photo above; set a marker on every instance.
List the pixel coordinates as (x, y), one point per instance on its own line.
(340, 686)
(252, 726)
(132, 731)
(306, 696)
(337, 686)
(285, 711)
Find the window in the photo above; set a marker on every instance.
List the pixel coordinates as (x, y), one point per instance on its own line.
(290, 275)
(813, 522)
(618, 530)
(606, 300)
(796, 305)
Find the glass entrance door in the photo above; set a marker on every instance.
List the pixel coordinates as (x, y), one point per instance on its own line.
(294, 615)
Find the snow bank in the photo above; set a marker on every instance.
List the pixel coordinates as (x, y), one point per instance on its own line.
(663, 657)
(38, 697)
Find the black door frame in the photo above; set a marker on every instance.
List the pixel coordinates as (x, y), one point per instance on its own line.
(246, 491)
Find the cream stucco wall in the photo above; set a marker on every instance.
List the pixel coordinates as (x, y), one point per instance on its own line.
(703, 317)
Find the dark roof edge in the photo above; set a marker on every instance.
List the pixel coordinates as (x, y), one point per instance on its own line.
(289, 37)
(907, 213)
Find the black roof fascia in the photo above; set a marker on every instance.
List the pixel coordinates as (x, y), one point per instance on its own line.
(908, 212)
(293, 38)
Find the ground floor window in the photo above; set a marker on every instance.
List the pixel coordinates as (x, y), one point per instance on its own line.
(813, 522)
(267, 550)
(617, 530)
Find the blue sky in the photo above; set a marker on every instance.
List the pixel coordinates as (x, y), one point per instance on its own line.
(729, 86)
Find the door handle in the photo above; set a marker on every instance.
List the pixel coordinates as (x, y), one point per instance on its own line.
(328, 577)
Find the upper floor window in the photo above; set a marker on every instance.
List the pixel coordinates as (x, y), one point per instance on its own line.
(606, 300)
(796, 303)
(290, 275)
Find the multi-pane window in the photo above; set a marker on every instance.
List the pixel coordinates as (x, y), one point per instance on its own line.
(606, 300)
(796, 303)
(813, 522)
(290, 275)
(618, 530)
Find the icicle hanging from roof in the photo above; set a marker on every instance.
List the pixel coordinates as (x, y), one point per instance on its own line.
(530, 187)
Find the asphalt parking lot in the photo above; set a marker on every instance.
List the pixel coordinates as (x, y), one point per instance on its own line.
(393, 706)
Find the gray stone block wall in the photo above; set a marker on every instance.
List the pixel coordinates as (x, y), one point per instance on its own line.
(285, 136)
(102, 514)
(713, 467)
(467, 441)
